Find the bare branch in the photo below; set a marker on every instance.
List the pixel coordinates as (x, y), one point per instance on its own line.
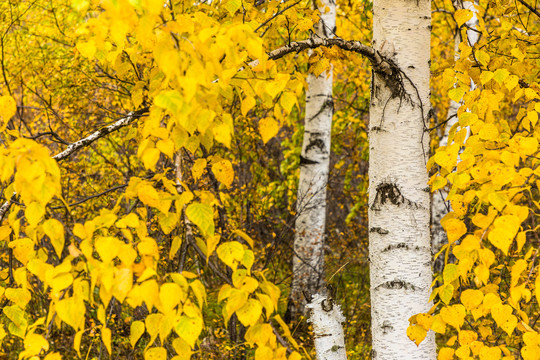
(132, 116)
(73, 147)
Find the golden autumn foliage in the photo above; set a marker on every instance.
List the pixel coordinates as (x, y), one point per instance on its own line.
(148, 173)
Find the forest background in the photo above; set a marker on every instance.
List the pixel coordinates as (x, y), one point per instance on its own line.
(149, 174)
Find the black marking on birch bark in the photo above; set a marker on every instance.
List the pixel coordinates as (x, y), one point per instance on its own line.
(396, 285)
(328, 104)
(389, 193)
(377, 128)
(379, 230)
(304, 161)
(386, 327)
(315, 142)
(400, 246)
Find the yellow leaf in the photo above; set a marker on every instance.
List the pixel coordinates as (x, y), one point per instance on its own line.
(169, 295)
(211, 243)
(255, 49)
(152, 322)
(516, 52)
(287, 101)
(471, 298)
(268, 128)
(166, 146)
(505, 229)
(71, 311)
(447, 293)
(87, 49)
(516, 271)
(198, 168)
(137, 329)
(189, 329)
(528, 146)
(416, 333)
(150, 157)
(182, 349)
(446, 354)
(155, 353)
(34, 344)
(77, 342)
(533, 117)
(250, 313)
(224, 172)
(454, 315)
(175, 246)
(455, 229)
(55, 231)
(244, 236)
(202, 215)
(483, 57)
(106, 338)
(500, 75)
(456, 94)
(502, 314)
(237, 299)
(486, 76)
(490, 353)
(107, 248)
(34, 212)
(231, 253)
(488, 132)
(511, 82)
(148, 195)
(247, 104)
(223, 134)
(8, 108)
(462, 16)
(467, 336)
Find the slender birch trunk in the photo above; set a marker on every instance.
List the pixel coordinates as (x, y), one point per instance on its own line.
(329, 338)
(399, 200)
(308, 257)
(439, 206)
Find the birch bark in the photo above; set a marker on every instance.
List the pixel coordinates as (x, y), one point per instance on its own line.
(308, 257)
(439, 206)
(399, 201)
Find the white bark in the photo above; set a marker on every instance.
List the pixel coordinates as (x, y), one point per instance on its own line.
(308, 257)
(439, 206)
(327, 318)
(399, 201)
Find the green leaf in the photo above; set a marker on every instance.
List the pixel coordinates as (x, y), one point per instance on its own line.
(202, 215)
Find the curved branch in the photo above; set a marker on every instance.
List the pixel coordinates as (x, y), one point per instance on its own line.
(379, 62)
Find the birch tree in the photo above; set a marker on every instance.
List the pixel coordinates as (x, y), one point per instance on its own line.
(308, 257)
(399, 238)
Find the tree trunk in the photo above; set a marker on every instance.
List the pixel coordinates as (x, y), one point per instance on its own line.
(329, 338)
(308, 257)
(399, 201)
(439, 206)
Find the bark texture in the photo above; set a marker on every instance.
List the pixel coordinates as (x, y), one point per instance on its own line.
(327, 318)
(399, 201)
(439, 206)
(308, 256)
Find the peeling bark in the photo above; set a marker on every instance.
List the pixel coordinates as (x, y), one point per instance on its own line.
(308, 256)
(399, 205)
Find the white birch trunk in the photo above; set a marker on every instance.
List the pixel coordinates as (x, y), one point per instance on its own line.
(327, 318)
(399, 200)
(308, 257)
(439, 206)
